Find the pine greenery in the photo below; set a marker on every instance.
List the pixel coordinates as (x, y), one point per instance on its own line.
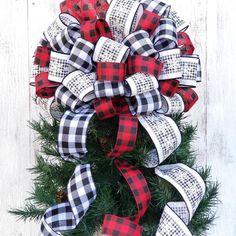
(51, 175)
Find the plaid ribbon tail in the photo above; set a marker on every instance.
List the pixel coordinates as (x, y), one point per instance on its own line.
(127, 134)
(66, 216)
(115, 225)
(72, 133)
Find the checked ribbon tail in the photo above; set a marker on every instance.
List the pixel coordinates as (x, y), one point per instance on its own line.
(66, 216)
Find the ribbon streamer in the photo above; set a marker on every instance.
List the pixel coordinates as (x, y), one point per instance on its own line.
(135, 62)
(66, 216)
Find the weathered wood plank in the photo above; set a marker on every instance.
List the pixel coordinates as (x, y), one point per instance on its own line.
(221, 109)
(15, 143)
(194, 13)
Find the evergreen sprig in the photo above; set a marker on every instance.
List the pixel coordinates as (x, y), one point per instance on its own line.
(113, 194)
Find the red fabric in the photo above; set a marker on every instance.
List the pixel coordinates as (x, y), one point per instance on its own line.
(42, 56)
(148, 22)
(85, 10)
(115, 225)
(138, 63)
(189, 97)
(111, 71)
(104, 108)
(93, 30)
(185, 43)
(44, 87)
(127, 133)
(168, 87)
(71, 7)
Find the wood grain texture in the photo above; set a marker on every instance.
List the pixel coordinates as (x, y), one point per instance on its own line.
(212, 31)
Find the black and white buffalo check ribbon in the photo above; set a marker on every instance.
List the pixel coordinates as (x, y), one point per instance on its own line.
(73, 132)
(177, 215)
(156, 6)
(66, 216)
(165, 35)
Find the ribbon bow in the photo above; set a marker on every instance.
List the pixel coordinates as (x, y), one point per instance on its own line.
(127, 63)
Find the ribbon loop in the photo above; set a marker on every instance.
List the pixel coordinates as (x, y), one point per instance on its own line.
(148, 22)
(140, 44)
(72, 133)
(81, 85)
(171, 64)
(62, 21)
(190, 70)
(58, 67)
(165, 35)
(164, 133)
(66, 216)
(139, 63)
(44, 87)
(81, 56)
(157, 7)
(42, 56)
(67, 99)
(111, 71)
(122, 17)
(189, 97)
(109, 89)
(181, 25)
(140, 83)
(168, 87)
(172, 105)
(65, 40)
(185, 43)
(145, 103)
(108, 50)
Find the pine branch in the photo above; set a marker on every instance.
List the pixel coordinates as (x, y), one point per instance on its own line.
(29, 212)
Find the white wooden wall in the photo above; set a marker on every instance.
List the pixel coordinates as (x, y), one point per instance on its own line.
(213, 32)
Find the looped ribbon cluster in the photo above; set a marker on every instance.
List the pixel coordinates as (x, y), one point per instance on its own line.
(126, 58)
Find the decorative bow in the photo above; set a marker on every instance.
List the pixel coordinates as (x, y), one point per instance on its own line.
(127, 63)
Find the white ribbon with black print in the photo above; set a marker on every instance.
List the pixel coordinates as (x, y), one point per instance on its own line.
(81, 84)
(59, 67)
(164, 133)
(171, 105)
(191, 70)
(181, 25)
(177, 215)
(58, 25)
(123, 17)
(66, 216)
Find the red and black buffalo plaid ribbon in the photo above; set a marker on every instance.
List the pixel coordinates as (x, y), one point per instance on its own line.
(139, 63)
(123, 226)
(44, 87)
(189, 97)
(93, 30)
(168, 87)
(111, 71)
(85, 10)
(185, 43)
(149, 21)
(42, 56)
